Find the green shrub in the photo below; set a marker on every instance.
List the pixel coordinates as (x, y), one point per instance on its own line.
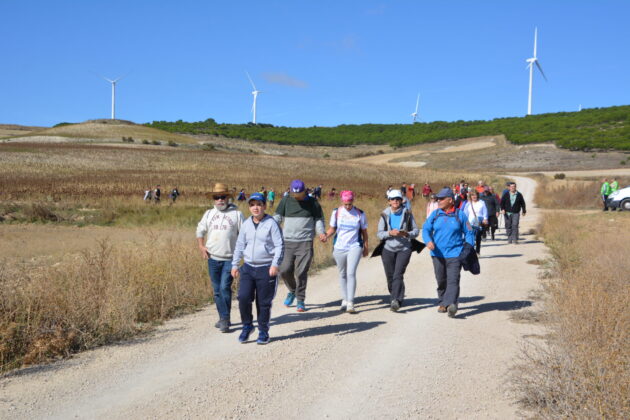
(156, 142)
(172, 143)
(559, 176)
(145, 141)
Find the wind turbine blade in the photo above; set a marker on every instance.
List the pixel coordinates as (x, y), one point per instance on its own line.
(535, 40)
(250, 80)
(541, 70)
(417, 103)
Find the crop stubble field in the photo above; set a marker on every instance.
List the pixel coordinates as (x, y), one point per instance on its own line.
(114, 264)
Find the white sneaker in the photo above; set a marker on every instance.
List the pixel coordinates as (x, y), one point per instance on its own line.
(351, 309)
(344, 305)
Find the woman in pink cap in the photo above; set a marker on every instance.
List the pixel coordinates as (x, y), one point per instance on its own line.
(349, 225)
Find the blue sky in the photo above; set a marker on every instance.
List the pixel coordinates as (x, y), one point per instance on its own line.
(317, 62)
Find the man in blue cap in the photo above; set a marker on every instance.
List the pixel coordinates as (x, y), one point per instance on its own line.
(303, 218)
(445, 231)
(261, 246)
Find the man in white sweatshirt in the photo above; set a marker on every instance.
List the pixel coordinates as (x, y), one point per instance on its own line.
(220, 227)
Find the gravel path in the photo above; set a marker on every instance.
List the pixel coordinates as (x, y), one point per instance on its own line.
(412, 364)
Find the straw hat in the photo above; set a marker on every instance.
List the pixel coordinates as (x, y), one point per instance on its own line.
(220, 189)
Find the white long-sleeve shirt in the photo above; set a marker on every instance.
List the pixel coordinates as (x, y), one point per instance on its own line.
(221, 228)
(481, 211)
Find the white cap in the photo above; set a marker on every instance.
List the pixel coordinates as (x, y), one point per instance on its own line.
(394, 194)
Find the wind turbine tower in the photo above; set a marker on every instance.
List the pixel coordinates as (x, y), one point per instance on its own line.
(531, 62)
(415, 113)
(113, 82)
(255, 92)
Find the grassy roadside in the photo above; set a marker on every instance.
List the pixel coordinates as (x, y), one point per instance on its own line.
(571, 193)
(582, 370)
(104, 294)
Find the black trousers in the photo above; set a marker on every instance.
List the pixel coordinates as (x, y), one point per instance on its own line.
(447, 273)
(479, 231)
(395, 265)
(256, 285)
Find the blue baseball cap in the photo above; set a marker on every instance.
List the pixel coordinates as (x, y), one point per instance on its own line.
(258, 197)
(297, 186)
(445, 193)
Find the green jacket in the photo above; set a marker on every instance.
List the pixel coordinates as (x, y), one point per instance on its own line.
(614, 186)
(606, 190)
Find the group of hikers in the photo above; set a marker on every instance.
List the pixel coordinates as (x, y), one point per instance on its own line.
(451, 232)
(154, 195)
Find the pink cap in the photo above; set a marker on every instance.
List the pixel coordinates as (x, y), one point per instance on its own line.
(346, 196)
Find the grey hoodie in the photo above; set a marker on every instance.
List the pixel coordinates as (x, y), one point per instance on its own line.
(259, 245)
(396, 244)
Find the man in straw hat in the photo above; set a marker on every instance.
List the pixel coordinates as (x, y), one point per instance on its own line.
(221, 226)
(303, 217)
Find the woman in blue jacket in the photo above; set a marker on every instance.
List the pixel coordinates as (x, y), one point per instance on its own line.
(445, 232)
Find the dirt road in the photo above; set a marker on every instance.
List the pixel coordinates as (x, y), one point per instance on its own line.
(412, 364)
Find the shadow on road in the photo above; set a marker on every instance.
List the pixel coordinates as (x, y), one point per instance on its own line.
(502, 256)
(512, 305)
(338, 329)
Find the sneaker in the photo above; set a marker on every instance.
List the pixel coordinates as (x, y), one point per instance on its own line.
(394, 306)
(289, 300)
(224, 325)
(344, 305)
(300, 306)
(263, 338)
(247, 331)
(350, 309)
(452, 310)
(218, 323)
(441, 309)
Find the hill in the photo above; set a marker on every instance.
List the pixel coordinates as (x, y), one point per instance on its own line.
(107, 130)
(596, 128)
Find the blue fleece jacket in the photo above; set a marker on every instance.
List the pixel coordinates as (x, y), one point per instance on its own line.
(447, 233)
(259, 245)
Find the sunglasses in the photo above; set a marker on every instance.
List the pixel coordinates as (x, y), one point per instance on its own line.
(395, 199)
(220, 197)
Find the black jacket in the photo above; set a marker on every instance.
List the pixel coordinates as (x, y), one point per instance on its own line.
(492, 204)
(469, 260)
(519, 204)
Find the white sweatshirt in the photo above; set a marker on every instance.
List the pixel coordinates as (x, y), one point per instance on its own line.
(222, 228)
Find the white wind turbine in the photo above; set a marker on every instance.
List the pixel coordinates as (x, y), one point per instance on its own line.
(532, 61)
(415, 113)
(255, 92)
(113, 82)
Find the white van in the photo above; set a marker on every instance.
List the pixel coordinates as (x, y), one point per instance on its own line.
(620, 199)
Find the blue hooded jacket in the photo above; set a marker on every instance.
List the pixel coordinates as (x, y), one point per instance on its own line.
(447, 231)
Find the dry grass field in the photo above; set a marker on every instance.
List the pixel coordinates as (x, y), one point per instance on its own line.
(87, 262)
(575, 193)
(583, 368)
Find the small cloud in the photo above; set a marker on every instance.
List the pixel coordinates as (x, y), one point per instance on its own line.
(284, 79)
(346, 44)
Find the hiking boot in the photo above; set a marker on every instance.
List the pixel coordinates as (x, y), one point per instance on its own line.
(217, 324)
(263, 338)
(247, 331)
(289, 300)
(224, 325)
(441, 309)
(394, 306)
(452, 310)
(344, 305)
(300, 306)
(350, 309)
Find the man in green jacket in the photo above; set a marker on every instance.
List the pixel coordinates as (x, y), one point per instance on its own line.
(605, 191)
(303, 217)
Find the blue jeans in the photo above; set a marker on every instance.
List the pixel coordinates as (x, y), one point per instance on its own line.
(221, 279)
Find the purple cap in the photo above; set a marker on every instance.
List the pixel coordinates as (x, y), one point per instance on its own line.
(297, 186)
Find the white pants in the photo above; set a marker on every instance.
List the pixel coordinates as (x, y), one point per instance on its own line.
(347, 263)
